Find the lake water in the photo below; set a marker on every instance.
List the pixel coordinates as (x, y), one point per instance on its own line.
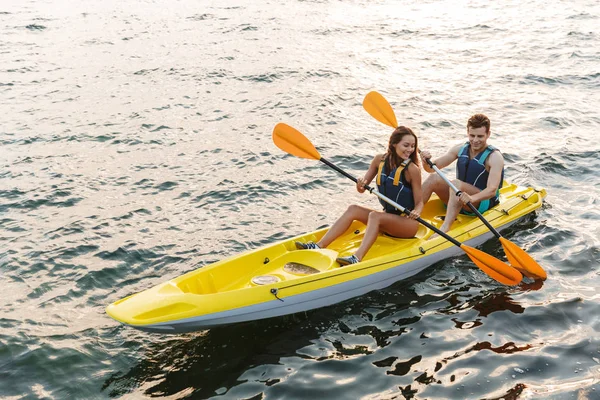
(136, 146)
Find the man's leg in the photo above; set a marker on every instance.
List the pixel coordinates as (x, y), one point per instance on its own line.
(435, 184)
(454, 205)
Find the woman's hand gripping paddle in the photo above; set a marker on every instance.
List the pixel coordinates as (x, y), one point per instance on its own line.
(295, 143)
(380, 109)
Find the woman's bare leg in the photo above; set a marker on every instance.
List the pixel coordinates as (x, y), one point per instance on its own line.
(379, 221)
(353, 213)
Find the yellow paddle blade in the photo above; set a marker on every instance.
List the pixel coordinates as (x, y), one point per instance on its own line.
(292, 141)
(495, 268)
(522, 261)
(379, 108)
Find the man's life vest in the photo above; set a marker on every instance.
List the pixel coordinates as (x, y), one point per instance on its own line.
(472, 170)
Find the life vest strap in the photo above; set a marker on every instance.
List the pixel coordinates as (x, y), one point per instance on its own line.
(399, 171)
(396, 175)
(380, 170)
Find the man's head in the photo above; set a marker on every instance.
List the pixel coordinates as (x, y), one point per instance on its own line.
(478, 132)
(478, 121)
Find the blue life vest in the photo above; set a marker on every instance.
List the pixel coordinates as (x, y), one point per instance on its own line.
(394, 186)
(472, 170)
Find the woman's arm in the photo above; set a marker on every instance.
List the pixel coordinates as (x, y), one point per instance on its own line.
(370, 174)
(414, 178)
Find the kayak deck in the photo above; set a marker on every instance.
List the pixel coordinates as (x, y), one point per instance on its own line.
(275, 260)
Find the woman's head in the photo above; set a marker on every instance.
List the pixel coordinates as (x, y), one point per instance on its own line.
(403, 144)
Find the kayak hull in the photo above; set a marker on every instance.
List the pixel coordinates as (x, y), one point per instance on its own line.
(278, 280)
(309, 301)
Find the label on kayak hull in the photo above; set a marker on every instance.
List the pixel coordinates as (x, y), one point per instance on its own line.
(265, 279)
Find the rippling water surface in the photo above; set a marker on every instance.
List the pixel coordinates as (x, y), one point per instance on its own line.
(136, 146)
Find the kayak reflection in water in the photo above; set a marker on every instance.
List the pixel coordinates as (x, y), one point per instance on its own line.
(398, 178)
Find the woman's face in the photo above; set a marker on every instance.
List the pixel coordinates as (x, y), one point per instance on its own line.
(405, 147)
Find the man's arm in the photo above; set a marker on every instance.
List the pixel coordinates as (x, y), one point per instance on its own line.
(443, 161)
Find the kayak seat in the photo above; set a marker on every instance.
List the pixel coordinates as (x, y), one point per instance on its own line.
(299, 269)
(422, 231)
(296, 264)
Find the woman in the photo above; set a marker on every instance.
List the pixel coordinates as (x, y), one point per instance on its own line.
(399, 179)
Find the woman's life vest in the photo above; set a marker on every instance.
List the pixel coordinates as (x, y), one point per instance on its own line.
(393, 185)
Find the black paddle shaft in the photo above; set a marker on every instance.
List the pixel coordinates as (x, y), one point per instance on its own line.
(403, 209)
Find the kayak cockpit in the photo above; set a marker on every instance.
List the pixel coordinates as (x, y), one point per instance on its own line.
(246, 271)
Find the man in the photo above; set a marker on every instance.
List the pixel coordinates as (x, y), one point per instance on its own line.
(479, 173)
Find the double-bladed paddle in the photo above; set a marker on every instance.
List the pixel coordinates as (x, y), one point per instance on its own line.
(295, 143)
(380, 109)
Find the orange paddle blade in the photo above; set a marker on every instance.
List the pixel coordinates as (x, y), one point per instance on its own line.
(379, 108)
(495, 268)
(293, 142)
(522, 261)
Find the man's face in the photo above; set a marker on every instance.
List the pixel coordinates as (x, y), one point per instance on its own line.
(478, 138)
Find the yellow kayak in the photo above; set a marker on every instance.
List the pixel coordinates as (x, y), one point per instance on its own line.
(278, 279)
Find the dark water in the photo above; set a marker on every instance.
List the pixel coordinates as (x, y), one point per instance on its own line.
(136, 146)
